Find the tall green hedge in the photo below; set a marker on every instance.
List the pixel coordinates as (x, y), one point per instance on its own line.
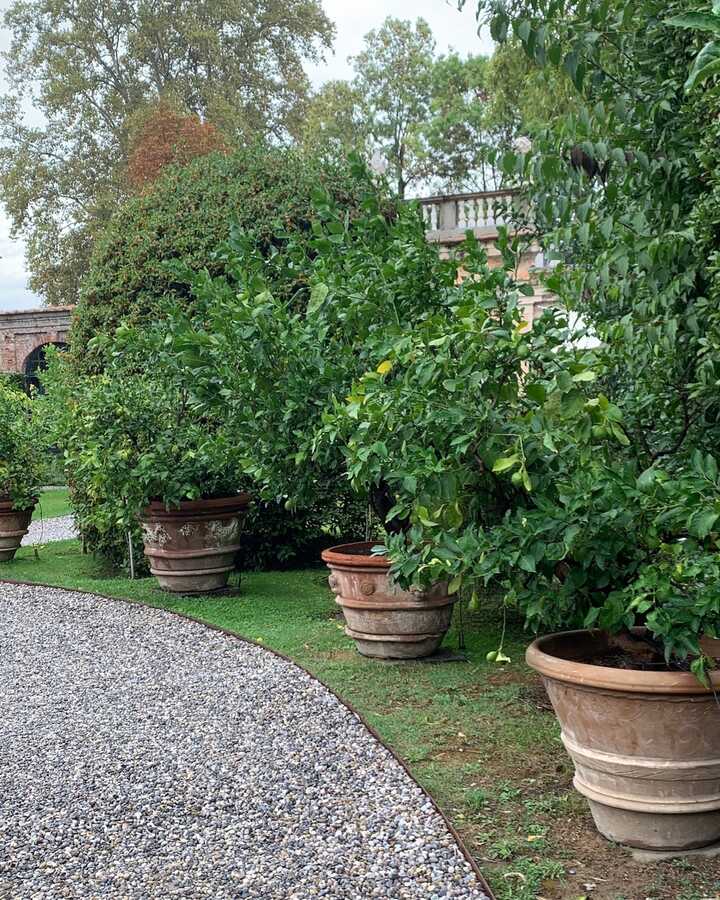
(185, 217)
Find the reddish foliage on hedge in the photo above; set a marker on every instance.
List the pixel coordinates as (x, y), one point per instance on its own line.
(168, 137)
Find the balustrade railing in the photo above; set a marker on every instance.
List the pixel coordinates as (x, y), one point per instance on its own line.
(458, 212)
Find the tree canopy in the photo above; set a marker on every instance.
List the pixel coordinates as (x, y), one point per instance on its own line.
(87, 67)
(425, 114)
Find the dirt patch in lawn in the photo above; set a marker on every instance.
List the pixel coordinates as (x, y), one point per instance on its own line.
(522, 820)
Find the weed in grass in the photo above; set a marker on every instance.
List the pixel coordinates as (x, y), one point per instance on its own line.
(476, 799)
(503, 849)
(548, 804)
(524, 881)
(507, 792)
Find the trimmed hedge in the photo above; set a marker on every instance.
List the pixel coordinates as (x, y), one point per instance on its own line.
(186, 217)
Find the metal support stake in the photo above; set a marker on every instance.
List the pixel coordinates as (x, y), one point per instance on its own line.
(132, 557)
(461, 625)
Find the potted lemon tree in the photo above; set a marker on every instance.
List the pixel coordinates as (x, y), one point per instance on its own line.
(22, 465)
(156, 463)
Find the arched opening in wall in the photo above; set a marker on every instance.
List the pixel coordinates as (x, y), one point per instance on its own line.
(36, 362)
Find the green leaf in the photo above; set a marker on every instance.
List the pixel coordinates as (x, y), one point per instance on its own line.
(619, 434)
(504, 463)
(523, 30)
(585, 375)
(699, 668)
(536, 392)
(554, 53)
(549, 443)
(499, 27)
(424, 516)
(527, 563)
(697, 21)
(701, 523)
(647, 478)
(318, 293)
(706, 63)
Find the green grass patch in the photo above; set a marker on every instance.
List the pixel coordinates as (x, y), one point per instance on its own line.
(480, 738)
(51, 503)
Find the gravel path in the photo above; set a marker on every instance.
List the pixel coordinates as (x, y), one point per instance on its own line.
(43, 531)
(146, 756)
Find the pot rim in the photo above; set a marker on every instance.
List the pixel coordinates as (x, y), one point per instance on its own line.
(558, 668)
(157, 509)
(7, 504)
(338, 556)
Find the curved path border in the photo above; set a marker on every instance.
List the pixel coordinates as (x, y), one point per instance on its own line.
(152, 753)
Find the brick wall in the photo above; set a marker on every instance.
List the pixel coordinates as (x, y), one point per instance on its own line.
(23, 331)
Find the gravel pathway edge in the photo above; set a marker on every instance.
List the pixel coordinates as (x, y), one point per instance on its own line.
(45, 531)
(484, 886)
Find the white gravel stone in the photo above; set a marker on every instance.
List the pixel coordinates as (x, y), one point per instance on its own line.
(146, 756)
(44, 531)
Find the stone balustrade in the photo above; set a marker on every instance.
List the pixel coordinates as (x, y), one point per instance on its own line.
(449, 216)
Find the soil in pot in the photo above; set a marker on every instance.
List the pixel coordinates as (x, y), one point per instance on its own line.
(645, 740)
(192, 547)
(384, 620)
(14, 524)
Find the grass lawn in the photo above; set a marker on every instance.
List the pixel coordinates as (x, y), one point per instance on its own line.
(53, 502)
(481, 739)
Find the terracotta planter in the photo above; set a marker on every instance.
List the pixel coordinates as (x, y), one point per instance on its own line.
(14, 524)
(192, 548)
(384, 620)
(646, 744)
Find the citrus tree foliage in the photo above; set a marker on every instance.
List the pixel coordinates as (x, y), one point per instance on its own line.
(383, 369)
(130, 435)
(139, 431)
(276, 363)
(707, 62)
(23, 447)
(615, 522)
(166, 137)
(185, 216)
(87, 67)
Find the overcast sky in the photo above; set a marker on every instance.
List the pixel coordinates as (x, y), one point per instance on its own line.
(353, 19)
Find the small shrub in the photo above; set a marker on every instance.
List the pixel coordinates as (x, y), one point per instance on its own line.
(22, 447)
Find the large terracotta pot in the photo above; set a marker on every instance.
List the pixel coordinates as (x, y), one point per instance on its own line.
(14, 524)
(384, 620)
(192, 547)
(646, 744)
